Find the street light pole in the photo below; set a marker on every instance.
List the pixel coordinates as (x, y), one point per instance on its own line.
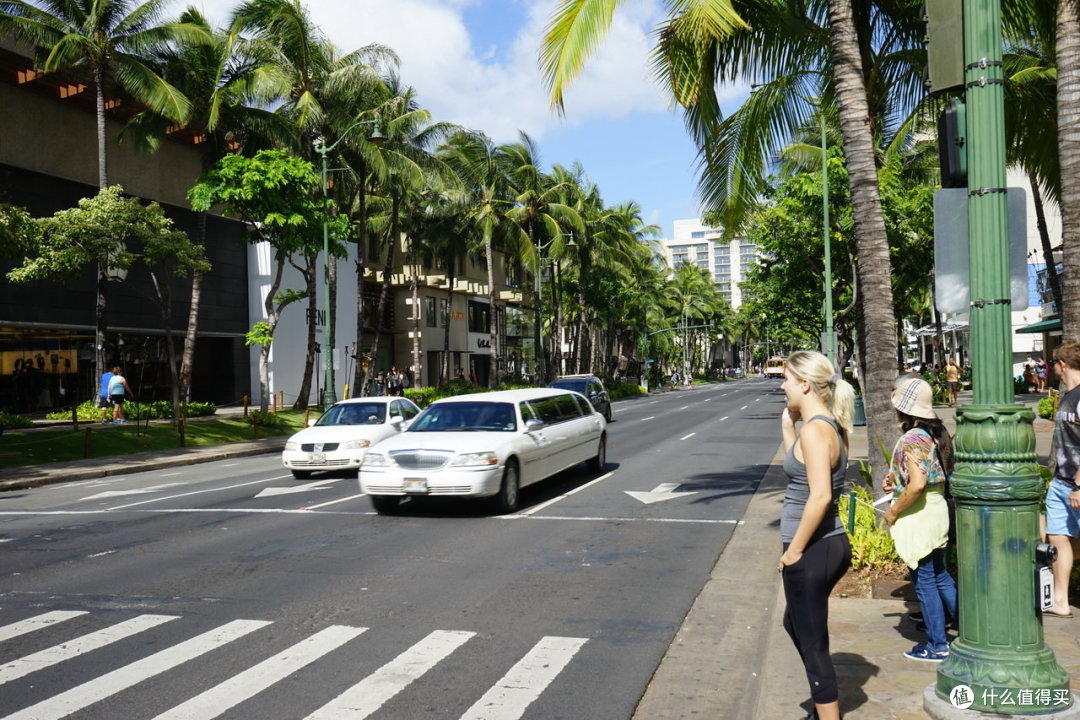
(538, 286)
(1000, 657)
(329, 393)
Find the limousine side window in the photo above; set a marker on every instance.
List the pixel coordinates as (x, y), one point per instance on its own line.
(547, 410)
(527, 412)
(583, 405)
(568, 407)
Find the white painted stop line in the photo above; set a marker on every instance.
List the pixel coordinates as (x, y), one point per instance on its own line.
(111, 683)
(372, 692)
(524, 682)
(254, 680)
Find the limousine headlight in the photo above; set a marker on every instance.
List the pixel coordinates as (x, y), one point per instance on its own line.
(292, 445)
(356, 444)
(375, 460)
(475, 459)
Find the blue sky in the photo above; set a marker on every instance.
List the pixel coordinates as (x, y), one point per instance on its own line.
(474, 62)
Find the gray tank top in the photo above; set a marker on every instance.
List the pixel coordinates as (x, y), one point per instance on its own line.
(798, 491)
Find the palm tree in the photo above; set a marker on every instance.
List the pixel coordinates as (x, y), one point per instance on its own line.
(103, 37)
(224, 81)
(1068, 93)
(704, 42)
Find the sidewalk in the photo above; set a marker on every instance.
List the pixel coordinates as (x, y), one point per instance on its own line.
(732, 659)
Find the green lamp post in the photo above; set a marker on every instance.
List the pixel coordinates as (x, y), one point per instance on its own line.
(538, 287)
(1000, 662)
(329, 393)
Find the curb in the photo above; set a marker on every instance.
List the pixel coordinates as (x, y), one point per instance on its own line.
(21, 478)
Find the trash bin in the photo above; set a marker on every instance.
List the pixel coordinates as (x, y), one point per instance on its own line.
(860, 413)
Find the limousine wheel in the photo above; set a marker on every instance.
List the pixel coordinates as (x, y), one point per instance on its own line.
(507, 499)
(599, 462)
(301, 474)
(385, 504)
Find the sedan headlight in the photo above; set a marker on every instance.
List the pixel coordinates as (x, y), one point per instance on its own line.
(375, 460)
(474, 459)
(357, 444)
(292, 445)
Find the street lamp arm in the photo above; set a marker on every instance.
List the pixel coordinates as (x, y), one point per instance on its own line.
(323, 149)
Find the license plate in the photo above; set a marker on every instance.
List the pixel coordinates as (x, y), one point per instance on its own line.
(317, 458)
(1046, 588)
(415, 485)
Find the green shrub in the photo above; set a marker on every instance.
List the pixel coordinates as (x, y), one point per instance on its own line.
(871, 545)
(157, 410)
(265, 419)
(10, 421)
(623, 389)
(1046, 407)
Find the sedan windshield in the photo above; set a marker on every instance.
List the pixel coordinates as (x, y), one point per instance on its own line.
(354, 414)
(466, 417)
(575, 385)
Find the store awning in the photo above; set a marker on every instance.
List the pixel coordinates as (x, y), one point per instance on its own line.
(1048, 325)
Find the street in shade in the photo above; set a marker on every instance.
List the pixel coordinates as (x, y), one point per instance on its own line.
(233, 590)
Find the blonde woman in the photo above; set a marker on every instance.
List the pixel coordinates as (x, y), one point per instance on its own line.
(816, 549)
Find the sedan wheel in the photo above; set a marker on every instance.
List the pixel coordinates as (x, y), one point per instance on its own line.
(301, 474)
(507, 499)
(599, 462)
(607, 414)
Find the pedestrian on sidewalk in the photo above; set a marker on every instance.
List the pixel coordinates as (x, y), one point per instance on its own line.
(816, 548)
(118, 391)
(918, 517)
(103, 396)
(1063, 493)
(952, 377)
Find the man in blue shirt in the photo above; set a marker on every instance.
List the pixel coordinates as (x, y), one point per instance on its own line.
(104, 402)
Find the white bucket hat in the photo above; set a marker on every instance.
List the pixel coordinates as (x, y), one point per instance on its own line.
(914, 396)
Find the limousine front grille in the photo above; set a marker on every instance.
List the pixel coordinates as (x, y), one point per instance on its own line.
(420, 459)
(324, 463)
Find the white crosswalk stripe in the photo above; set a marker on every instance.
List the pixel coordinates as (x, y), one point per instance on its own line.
(73, 648)
(247, 684)
(372, 692)
(37, 622)
(111, 683)
(508, 699)
(513, 694)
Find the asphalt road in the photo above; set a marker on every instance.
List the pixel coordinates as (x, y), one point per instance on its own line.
(231, 590)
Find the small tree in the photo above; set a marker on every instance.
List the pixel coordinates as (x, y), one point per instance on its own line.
(109, 231)
(275, 194)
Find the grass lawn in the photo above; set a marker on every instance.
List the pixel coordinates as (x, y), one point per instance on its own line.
(20, 448)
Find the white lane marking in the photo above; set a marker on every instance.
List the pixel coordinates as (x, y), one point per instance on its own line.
(524, 682)
(120, 679)
(554, 500)
(372, 692)
(651, 417)
(254, 680)
(7, 539)
(230, 465)
(687, 437)
(320, 485)
(723, 418)
(73, 648)
(333, 502)
(37, 622)
(631, 519)
(200, 492)
(757, 400)
(660, 493)
(101, 554)
(171, 474)
(653, 402)
(744, 407)
(132, 491)
(708, 399)
(684, 407)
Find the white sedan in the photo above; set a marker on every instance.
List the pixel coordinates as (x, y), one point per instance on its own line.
(339, 439)
(485, 445)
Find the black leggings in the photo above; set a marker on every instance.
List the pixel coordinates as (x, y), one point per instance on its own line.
(807, 585)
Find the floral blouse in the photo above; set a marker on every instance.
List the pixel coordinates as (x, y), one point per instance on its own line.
(917, 444)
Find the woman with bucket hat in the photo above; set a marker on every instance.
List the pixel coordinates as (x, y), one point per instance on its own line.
(918, 517)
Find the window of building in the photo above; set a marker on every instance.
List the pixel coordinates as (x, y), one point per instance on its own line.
(697, 235)
(444, 312)
(723, 251)
(429, 311)
(479, 317)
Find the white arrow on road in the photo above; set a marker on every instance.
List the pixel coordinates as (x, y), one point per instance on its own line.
(321, 485)
(135, 491)
(663, 491)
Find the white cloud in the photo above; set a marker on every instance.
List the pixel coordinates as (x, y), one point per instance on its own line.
(488, 91)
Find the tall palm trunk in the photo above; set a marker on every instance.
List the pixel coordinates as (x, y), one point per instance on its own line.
(273, 316)
(417, 368)
(384, 293)
(493, 319)
(875, 271)
(310, 273)
(187, 359)
(103, 182)
(359, 379)
(556, 343)
(1068, 99)
(1044, 238)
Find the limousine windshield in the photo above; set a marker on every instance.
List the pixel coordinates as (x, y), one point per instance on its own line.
(466, 417)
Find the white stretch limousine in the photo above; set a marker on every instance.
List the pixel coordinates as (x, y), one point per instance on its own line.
(485, 445)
